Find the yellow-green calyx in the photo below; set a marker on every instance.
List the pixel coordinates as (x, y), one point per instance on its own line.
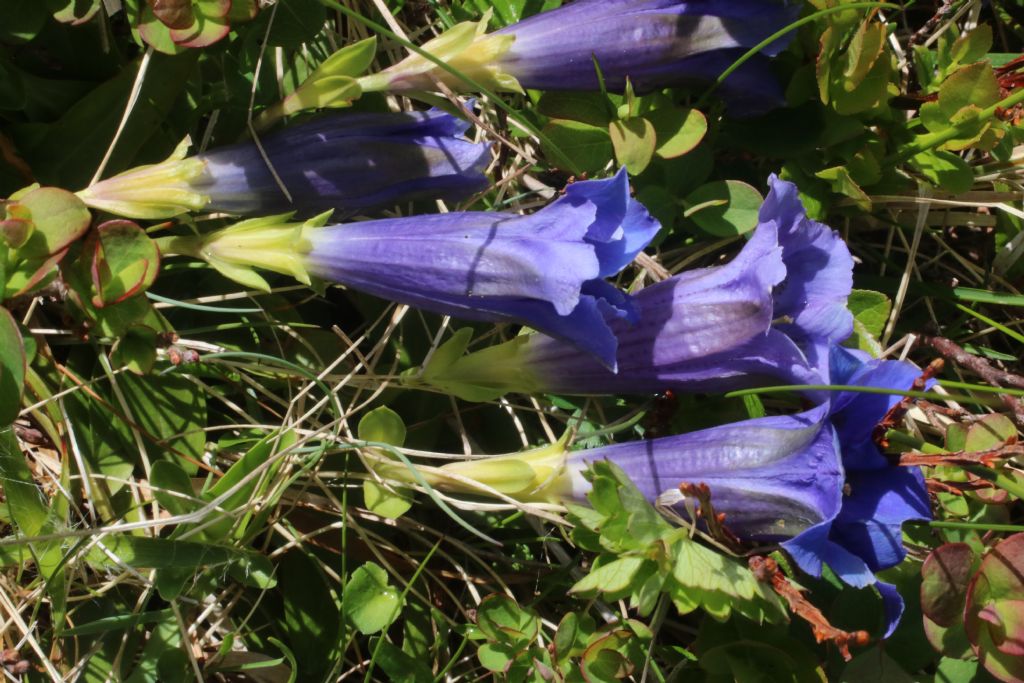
(270, 243)
(151, 192)
(479, 376)
(536, 475)
(466, 48)
(332, 84)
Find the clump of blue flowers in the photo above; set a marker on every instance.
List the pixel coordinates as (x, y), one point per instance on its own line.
(766, 317)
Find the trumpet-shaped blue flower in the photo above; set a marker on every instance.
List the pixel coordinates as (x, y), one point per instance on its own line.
(652, 43)
(341, 161)
(546, 270)
(779, 479)
(762, 318)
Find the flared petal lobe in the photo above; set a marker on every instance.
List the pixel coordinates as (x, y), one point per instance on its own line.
(819, 269)
(544, 270)
(866, 536)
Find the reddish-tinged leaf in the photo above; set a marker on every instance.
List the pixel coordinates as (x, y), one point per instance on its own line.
(125, 262)
(945, 575)
(15, 231)
(173, 13)
(994, 616)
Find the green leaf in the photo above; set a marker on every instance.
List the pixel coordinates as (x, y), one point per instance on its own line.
(718, 584)
(865, 49)
(678, 130)
(724, 208)
(974, 84)
(497, 657)
(136, 350)
(870, 313)
(172, 488)
(876, 666)
(243, 493)
(382, 425)
(589, 147)
(170, 412)
(68, 151)
(841, 181)
(370, 603)
(502, 620)
(386, 502)
(611, 577)
(946, 170)
(871, 92)
(25, 503)
(297, 22)
(310, 615)
(59, 218)
(74, 12)
(125, 262)
(591, 108)
(142, 552)
(972, 46)
(12, 368)
(634, 141)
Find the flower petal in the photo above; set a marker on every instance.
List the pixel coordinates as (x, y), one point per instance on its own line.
(870, 521)
(652, 42)
(773, 477)
(819, 269)
(349, 163)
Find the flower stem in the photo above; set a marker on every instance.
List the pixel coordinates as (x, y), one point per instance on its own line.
(923, 143)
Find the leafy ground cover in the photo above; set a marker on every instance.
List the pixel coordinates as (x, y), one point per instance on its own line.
(225, 468)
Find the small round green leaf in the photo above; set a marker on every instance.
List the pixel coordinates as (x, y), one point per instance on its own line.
(588, 147)
(125, 262)
(679, 130)
(382, 425)
(634, 141)
(369, 602)
(724, 208)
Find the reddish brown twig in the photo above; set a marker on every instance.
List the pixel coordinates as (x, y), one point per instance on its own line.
(896, 413)
(766, 570)
(715, 522)
(976, 364)
(988, 458)
(983, 369)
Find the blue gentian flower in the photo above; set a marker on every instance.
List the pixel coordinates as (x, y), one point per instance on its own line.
(847, 501)
(546, 270)
(653, 43)
(789, 480)
(347, 162)
(766, 317)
